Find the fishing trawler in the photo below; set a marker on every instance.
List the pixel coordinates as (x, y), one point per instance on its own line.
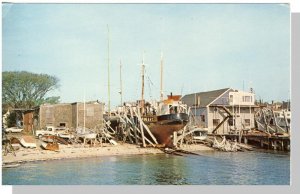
(170, 116)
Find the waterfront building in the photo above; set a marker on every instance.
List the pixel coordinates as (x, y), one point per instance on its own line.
(211, 109)
(70, 115)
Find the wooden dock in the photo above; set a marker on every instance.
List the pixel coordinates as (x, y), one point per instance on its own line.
(260, 139)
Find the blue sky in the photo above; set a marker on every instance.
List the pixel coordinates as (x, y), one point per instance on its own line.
(205, 47)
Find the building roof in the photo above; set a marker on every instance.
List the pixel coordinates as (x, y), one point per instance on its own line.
(205, 97)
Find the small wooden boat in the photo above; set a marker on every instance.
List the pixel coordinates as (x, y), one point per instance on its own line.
(50, 146)
(48, 138)
(66, 135)
(13, 165)
(28, 142)
(15, 143)
(14, 140)
(61, 140)
(53, 139)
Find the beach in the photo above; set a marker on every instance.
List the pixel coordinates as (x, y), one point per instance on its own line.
(83, 151)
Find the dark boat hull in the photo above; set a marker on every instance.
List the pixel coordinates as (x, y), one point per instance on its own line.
(166, 125)
(113, 120)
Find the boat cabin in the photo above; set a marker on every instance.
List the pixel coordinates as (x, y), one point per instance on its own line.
(172, 105)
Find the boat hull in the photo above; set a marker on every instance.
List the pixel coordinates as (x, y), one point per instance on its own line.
(50, 146)
(166, 125)
(87, 135)
(53, 139)
(28, 142)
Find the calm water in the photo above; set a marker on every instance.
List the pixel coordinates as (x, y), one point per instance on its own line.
(211, 168)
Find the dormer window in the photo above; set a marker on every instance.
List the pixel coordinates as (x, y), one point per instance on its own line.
(247, 98)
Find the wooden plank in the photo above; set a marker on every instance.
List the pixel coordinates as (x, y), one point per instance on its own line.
(126, 119)
(134, 127)
(141, 126)
(147, 129)
(183, 135)
(175, 138)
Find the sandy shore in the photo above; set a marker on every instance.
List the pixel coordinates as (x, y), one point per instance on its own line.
(80, 151)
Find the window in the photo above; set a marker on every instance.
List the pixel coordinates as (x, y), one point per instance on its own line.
(247, 122)
(216, 122)
(175, 109)
(202, 118)
(247, 98)
(62, 124)
(231, 121)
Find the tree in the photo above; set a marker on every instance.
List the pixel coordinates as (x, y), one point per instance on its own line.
(26, 90)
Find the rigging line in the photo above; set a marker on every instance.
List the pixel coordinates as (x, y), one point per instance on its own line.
(150, 92)
(150, 83)
(137, 88)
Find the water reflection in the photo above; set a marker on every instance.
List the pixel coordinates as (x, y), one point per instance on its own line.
(169, 170)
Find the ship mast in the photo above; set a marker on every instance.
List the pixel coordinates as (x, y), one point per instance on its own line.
(161, 78)
(108, 71)
(121, 87)
(143, 84)
(84, 112)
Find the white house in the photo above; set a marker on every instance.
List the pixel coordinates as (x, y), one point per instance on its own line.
(212, 107)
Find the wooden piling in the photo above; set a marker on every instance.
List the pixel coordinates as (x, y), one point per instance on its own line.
(275, 144)
(175, 138)
(245, 140)
(183, 134)
(261, 143)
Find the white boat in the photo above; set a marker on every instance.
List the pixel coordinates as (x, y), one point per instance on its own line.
(66, 135)
(28, 142)
(86, 133)
(90, 135)
(200, 134)
(13, 130)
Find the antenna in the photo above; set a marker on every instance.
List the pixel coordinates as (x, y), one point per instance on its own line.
(108, 81)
